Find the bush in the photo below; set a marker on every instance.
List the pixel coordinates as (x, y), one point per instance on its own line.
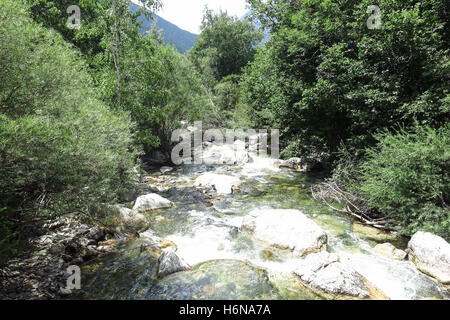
(407, 178)
(61, 148)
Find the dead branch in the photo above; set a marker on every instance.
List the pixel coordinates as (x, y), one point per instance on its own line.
(329, 192)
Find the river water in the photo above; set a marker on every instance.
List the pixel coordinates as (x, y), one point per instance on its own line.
(228, 263)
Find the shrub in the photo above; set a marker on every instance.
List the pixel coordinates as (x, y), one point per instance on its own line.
(407, 178)
(61, 148)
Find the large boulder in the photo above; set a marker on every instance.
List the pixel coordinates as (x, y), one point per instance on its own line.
(323, 271)
(150, 202)
(170, 262)
(286, 229)
(223, 184)
(431, 255)
(389, 251)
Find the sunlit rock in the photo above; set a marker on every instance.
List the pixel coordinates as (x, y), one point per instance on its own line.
(223, 184)
(165, 170)
(150, 202)
(286, 229)
(130, 221)
(298, 164)
(324, 272)
(389, 251)
(170, 262)
(431, 255)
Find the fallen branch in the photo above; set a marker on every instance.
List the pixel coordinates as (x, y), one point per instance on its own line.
(328, 192)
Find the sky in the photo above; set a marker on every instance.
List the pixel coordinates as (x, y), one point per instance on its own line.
(187, 14)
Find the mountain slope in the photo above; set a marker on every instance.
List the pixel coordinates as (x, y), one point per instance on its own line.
(181, 39)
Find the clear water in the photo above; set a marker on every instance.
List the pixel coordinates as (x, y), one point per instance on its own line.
(228, 263)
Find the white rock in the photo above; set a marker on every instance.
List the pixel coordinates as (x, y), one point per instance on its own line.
(323, 271)
(287, 229)
(223, 184)
(313, 263)
(389, 251)
(151, 201)
(431, 255)
(241, 154)
(170, 262)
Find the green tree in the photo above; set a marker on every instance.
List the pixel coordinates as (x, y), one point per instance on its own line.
(162, 90)
(225, 45)
(326, 78)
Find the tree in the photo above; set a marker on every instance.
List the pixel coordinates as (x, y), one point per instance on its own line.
(108, 28)
(224, 46)
(162, 90)
(332, 80)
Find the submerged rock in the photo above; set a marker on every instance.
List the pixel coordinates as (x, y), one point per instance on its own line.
(211, 280)
(128, 221)
(150, 202)
(286, 229)
(151, 242)
(223, 184)
(323, 271)
(170, 262)
(372, 233)
(431, 255)
(389, 251)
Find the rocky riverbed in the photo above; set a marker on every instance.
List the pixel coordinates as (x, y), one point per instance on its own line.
(247, 230)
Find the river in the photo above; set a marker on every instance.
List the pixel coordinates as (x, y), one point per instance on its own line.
(228, 262)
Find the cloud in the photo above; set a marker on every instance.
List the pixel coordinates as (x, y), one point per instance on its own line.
(187, 14)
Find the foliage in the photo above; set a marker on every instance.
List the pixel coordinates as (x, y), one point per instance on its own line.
(162, 90)
(407, 177)
(325, 78)
(225, 45)
(135, 73)
(61, 148)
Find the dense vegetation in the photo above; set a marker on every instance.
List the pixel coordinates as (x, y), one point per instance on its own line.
(333, 85)
(225, 46)
(406, 177)
(79, 107)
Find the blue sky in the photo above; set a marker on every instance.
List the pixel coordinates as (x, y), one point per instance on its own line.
(187, 14)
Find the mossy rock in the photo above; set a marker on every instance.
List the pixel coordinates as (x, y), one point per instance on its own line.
(372, 233)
